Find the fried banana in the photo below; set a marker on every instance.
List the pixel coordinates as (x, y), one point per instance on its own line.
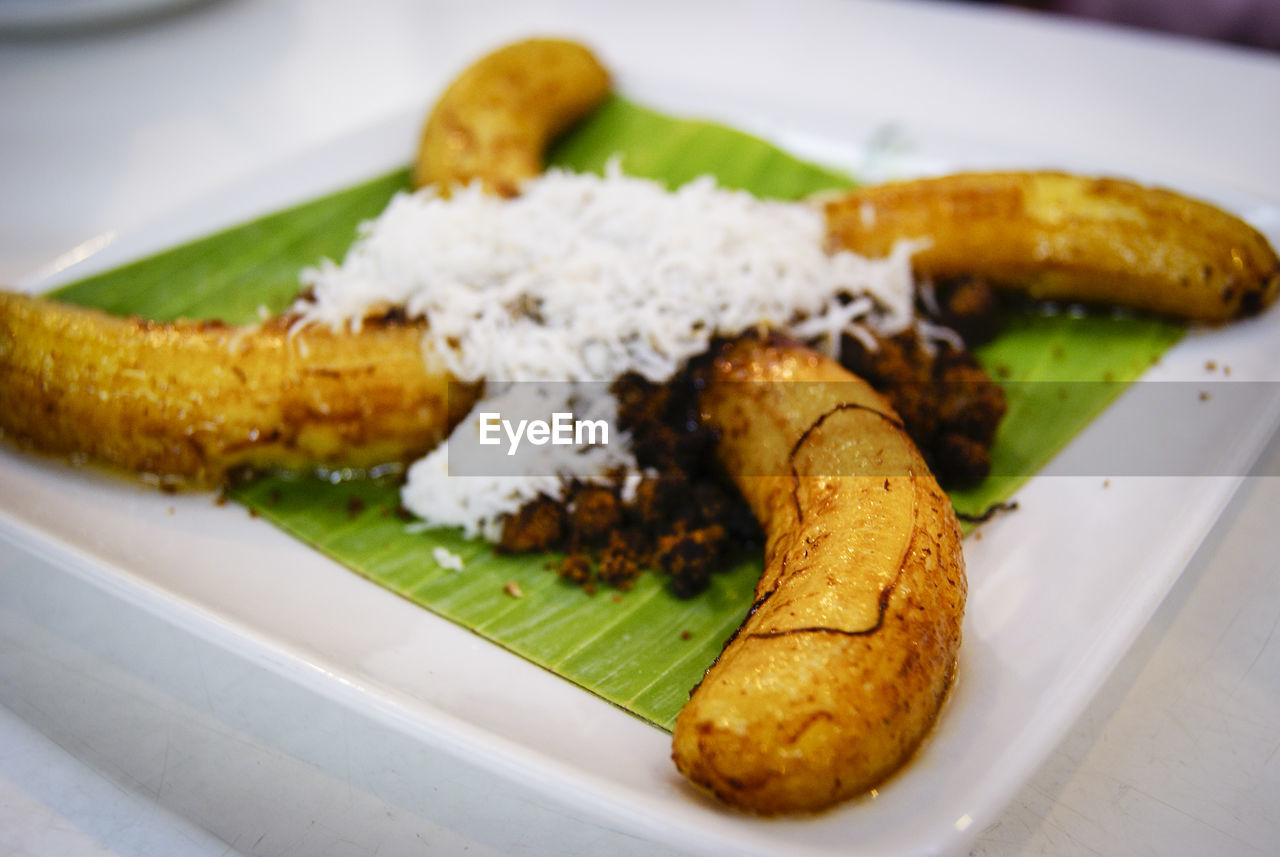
(185, 403)
(841, 665)
(493, 123)
(1063, 237)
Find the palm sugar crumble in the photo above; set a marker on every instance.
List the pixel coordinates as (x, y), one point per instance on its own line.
(685, 519)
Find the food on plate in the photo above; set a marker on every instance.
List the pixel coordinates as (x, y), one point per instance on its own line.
(1062, 237)
(591, 294)
(846, 655)
(186, 403)
(493, 123)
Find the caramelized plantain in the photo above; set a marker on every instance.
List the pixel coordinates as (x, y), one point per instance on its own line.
(840, 667)
(188, 402)
(1064, 237)
(493, 123)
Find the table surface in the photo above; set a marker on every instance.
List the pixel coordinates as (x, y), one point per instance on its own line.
(1179, 753)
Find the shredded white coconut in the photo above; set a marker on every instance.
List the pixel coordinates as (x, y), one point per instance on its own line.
(586, 278)
(446, 558)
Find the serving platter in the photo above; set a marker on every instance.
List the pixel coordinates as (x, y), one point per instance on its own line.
(1050, 612)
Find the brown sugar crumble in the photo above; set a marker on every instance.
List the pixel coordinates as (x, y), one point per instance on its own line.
(683, 520)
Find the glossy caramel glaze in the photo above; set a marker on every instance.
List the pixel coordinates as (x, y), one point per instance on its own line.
(187, 402)
(494, 121)
(840, 667)
(1063, 237)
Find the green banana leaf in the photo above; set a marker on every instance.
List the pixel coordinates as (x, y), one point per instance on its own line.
(643, 649)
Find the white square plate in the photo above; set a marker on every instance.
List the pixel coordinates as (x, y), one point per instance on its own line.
(1057, 590)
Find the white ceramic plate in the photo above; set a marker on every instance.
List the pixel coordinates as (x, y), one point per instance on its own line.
(1057, 591)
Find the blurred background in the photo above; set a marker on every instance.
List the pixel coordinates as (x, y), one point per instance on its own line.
(1251, 23)
(1254, 23)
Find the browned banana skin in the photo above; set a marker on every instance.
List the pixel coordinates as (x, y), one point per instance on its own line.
(185, 403)
(1064, 237)
(840, 667)
(493, 123)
